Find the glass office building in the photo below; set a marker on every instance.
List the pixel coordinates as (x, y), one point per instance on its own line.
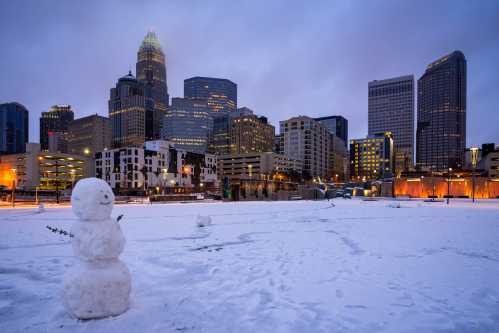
(336, 125)
(14, 128)
(391, 109)
(220, 94)
(188, 124)
(54, 124)
(441, 129)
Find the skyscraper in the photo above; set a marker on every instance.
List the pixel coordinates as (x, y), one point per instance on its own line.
(14, 128)
(54, 123)
(336, 125)
(441, 129)
(151, 71)
(221, 94)
(391, 109)
(130, 113)
(250, 133)
(188, 124)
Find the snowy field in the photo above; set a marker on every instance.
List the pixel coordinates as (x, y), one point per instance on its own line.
(299, 266)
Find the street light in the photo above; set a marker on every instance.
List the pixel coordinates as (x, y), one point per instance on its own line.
(474, 161)
(73, 176)
(422, 177)
(448, 184)
(14, 170)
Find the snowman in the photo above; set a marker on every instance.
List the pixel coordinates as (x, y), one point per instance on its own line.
(99, 284)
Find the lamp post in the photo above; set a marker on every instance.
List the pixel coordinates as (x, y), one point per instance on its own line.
(14, 170)
(474, 160)
(421, 181)
(57, 181)
(73, 176)
(165, 171)
(448, 184)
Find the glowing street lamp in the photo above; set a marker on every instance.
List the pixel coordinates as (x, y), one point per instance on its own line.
(14, 170)
(422, 177)
(474, 161)
(448, 184)
(73, 176)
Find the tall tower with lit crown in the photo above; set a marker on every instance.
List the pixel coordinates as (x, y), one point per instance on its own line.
(151, 71)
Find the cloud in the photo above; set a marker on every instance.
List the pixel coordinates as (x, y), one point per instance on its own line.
(287, 57)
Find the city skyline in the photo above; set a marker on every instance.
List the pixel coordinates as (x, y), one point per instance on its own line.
(46, 64)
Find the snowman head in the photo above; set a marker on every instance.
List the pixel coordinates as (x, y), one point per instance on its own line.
(92, 199)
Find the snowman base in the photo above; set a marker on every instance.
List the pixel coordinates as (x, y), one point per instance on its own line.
(97, 289)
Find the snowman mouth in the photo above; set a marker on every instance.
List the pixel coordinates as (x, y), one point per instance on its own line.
(105, 203)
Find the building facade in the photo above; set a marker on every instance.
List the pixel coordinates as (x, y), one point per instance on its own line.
(250, 133)
(372, 158)
(130, 113)
(220, 143)
(88, 135)
(391, 109)
(307, 140)
(441, 124)
(44, 170)
(56, 120)
(14, 128)
(337, 125)
(151, 72)
(257, 166)
(188, 124)
(279, 144)
(338, 159)
(157, 164)
(220, 94)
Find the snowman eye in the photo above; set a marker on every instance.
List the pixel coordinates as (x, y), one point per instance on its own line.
(105, 196)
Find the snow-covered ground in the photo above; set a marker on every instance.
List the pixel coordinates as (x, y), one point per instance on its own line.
(299, 266)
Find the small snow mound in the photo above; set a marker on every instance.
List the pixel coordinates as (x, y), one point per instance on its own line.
(394, 205)
(40, 209)
(203, 221)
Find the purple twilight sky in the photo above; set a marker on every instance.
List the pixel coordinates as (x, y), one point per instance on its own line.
(288, 57)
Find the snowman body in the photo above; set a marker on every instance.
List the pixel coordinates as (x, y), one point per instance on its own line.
(99, 284)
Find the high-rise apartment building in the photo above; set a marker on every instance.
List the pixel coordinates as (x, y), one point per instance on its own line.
(250, 133)
(151, 71)
(441, 126)
(54, 123)
(188, 124)
(14, 128)
(307, 140)
(221, 94)
(372, 157)
(391, 109)
(89, 135)
(336, 125)
(131, 116)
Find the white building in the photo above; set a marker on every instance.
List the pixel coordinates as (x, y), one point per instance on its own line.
(307, 140)
(155, 165)
(257, 166)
